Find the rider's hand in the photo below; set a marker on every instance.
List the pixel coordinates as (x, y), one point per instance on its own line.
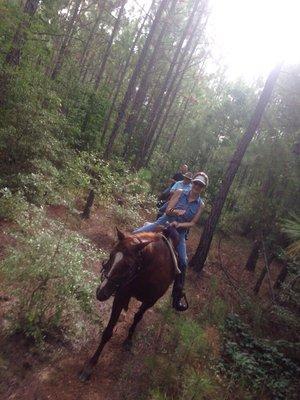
(174, 224)
(179, 212)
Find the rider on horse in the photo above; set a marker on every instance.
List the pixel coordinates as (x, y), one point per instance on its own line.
(183, 211)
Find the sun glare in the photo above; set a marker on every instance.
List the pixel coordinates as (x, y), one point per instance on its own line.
(251, 36)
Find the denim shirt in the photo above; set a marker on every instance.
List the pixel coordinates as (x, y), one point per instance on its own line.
(182, 204)
(191, 207)
(180, 185)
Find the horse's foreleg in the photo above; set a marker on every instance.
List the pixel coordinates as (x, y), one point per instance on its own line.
(127, 344)
(107, 334)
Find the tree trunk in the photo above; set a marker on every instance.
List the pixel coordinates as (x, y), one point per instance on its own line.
(88, 205)
(262, 275)
(199, 258)
(169, 81)
(14, 55)
(108, 47)
(134, 78)
(173, 94)
(66, 41)
(102, 67)
(281, 277)
(170, 143)
(121, 79)
(91, 36)
(143, 116)
(141, 93)
(253, 256)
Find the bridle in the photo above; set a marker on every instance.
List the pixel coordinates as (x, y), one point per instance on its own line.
(135, 269)
(124, 280)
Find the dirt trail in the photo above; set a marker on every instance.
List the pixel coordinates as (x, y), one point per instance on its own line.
(55, 377)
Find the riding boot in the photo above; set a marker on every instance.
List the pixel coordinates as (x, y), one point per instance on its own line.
(178, 295)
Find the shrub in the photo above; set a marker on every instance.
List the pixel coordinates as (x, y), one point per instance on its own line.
(45, 274)
(12, 205)
(257, 363)
(126, 216)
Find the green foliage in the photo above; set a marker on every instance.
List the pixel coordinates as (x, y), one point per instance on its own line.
(197, 386)
(126, 216)
(216, 309)
(11, 205)
(156, 394)
(178, 371)
(28, 129)
(256, 363)
(192, 341)
(47, 276)
(292, 228)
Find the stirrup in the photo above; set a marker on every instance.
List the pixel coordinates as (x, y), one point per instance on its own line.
(178, 305)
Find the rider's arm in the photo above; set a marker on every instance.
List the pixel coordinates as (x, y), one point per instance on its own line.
(192, 222)
(172, 202)
(174, 188)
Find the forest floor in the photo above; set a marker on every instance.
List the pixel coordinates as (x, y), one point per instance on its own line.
(52, 373)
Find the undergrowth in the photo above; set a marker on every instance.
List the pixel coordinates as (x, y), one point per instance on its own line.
(49, 276)
(214, 355)
(257, 364)
(179, 370)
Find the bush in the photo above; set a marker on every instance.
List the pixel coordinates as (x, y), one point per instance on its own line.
(257, 363)
(46, 275)
(126, 216)
(12, 205)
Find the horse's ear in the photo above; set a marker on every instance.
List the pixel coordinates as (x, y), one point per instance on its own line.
(120, 234)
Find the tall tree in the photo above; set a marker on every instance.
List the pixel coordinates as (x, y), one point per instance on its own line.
(14, 54)
(135, 75)
(90, 38)
(105, 56)
(170, 77)
(102, 66)
(172, 95)
(66, 40)
(199, 258)
(141, 93)
(122, 76)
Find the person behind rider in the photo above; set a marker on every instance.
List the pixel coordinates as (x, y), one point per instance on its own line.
(178, 176)
(185, 185)
(183, 211)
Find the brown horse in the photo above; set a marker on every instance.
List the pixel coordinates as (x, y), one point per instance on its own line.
(141, 265)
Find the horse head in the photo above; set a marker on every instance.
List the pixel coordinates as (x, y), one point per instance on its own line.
(122, 265)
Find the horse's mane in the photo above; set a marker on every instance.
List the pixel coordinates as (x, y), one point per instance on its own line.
(169, 232)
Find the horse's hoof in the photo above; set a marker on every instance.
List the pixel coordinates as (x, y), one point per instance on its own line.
(84, 375)
(127, 345)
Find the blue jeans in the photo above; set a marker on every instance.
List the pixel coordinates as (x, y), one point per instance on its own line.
(181, 247)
